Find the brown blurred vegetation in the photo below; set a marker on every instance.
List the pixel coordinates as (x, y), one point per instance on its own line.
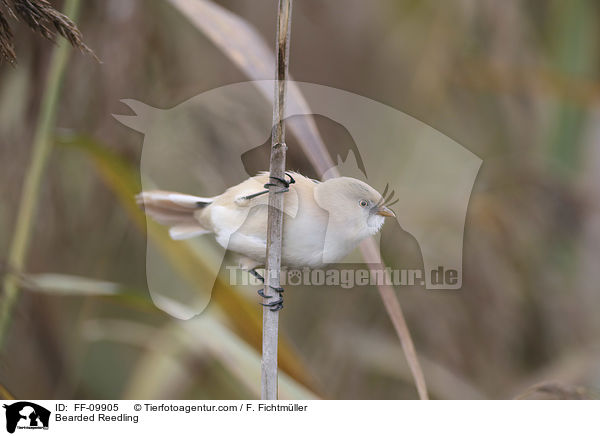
(515, 82)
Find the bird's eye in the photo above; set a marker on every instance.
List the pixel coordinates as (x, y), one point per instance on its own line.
(363, 203)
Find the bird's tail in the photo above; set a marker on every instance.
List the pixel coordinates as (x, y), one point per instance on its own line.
(175, 210)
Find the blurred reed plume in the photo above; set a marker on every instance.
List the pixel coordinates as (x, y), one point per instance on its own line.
(550, 390)
(7, 49)
(42, 18)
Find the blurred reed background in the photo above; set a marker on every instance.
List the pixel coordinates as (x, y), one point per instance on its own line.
(515, 82)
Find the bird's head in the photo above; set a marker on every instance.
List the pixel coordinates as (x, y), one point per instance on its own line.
(353, 204)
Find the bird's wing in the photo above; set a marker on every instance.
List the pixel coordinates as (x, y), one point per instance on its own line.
(238, 210)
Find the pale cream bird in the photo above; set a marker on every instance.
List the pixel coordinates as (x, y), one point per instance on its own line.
(323, 221)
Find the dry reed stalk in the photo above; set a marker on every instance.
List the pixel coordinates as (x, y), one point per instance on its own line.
(275, 217)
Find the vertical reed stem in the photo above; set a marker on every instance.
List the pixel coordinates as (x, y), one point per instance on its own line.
(33, 178)
(275, 217)
(372, 257)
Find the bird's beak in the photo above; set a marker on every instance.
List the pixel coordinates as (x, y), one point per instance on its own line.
(384, 211)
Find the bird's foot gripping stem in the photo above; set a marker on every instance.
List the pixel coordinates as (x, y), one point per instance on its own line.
(282, 182)
(276, 305)
(257, 275)
(285, 184)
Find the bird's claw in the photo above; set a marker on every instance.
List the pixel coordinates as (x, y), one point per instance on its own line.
(257, 275)
(274, 305)
(286, 186)
(261, 292)
(282, 182)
